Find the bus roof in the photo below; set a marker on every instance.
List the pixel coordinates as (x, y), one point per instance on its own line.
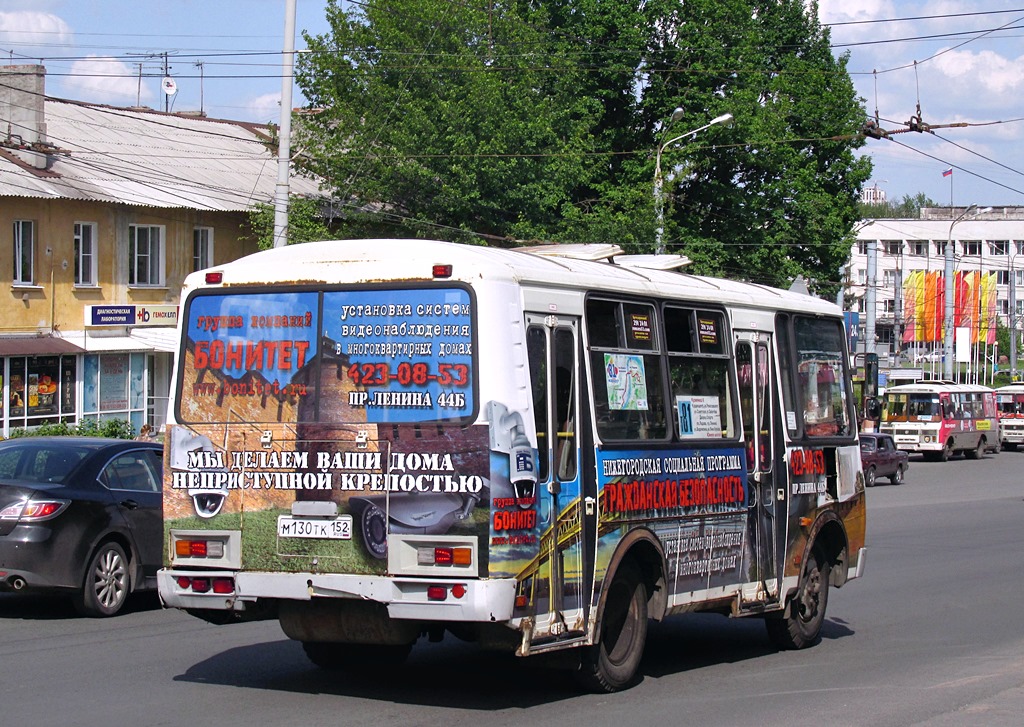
(936, 387)
(594, 267)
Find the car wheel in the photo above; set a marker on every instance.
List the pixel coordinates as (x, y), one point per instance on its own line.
(802, 627)
(869, 477)
(107, 583)
(897, 476)
(612, 664)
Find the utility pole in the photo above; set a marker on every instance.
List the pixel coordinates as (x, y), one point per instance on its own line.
(285, 132)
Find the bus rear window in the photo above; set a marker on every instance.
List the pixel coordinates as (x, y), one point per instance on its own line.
(336, 356)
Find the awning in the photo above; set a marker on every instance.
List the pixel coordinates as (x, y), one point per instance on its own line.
(36, 346)
(160, 339)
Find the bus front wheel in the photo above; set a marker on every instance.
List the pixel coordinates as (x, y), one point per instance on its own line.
(802, 627)
(612, 664)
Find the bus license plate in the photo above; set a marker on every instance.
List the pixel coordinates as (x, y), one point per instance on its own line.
(339, 528)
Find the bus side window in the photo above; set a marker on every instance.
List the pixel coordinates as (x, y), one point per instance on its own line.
(537, 353)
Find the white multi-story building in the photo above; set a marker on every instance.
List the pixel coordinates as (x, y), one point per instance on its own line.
(986, 242)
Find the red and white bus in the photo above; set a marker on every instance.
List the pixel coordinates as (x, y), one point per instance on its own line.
(1010, 400)
(376, 440)
(941, 418)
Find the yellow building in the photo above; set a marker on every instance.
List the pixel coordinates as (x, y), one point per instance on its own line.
(103, 212)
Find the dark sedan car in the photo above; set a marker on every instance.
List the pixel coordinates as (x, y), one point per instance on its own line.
(880, 458)
(81, 515)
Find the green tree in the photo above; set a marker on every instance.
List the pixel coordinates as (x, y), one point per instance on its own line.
(306, 222)
(907, 208)
(498, 123)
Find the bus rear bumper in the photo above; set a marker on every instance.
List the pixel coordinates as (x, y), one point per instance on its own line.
(448, 599)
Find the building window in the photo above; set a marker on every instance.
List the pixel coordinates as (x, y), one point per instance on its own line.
(24, 252)
(1018, 278)
(1018, 246)
(999, 247)
(888, 278)
(862, 276)
(147, 255)
(1002, 277)
(918, 247)
(889, 306)
(940, 247)
(202, 248)
(1003, 306)
(85, 253)
(862, 246)
(971, 247)
(893, 247)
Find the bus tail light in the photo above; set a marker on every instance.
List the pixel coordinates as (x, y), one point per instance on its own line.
(440, 593)
(199, 548)
(444, 556)
(442, 271)
(221, 585)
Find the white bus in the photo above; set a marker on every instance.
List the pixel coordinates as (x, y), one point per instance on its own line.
(377, 440)
(1010, 401)
(940, 418)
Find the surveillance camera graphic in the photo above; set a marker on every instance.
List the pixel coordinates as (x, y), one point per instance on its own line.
(207, 502)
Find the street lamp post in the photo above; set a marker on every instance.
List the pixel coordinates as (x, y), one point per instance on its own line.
(659, 196)
(950, 292)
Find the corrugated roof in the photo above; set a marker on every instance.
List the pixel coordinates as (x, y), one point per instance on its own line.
(144, 157)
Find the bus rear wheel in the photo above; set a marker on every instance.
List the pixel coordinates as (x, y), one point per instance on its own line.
(802, 627)
(612, 664)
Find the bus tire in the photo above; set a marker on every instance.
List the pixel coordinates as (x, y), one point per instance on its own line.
(978, 451)
(802, 627)
(333, 656)
(612, 663)
(1010, 446)
(947, 451)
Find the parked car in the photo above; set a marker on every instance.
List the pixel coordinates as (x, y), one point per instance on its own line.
(81, 515)
(880, 458)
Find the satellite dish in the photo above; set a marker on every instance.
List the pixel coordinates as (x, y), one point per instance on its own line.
(169, 86)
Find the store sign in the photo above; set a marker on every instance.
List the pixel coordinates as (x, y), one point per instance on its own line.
(131, 315)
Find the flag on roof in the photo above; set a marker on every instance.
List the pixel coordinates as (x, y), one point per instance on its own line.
(948, 172)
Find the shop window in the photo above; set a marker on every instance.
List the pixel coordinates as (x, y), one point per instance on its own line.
(41, 390)
(114, 387)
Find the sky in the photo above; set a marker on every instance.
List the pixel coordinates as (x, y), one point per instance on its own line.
(941, 62)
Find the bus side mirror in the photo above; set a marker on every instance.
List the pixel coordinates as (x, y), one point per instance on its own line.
(872, 408)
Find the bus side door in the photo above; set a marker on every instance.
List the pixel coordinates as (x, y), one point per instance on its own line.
(766, 521)
(565, 570)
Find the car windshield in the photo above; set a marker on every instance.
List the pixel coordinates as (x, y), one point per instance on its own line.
(39, 462)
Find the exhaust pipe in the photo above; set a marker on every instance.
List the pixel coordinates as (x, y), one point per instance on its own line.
(17, 583)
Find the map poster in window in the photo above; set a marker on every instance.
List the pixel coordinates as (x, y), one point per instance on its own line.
(699, 417)
(626, 382)
(708, 331)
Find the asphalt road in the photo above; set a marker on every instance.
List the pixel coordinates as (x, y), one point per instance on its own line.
(931, 636)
